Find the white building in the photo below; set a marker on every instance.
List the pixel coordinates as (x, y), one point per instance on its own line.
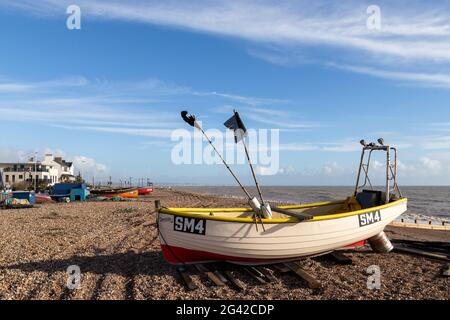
(49, 171)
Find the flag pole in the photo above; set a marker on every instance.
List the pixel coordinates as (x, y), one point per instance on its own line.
(223, 160)
(193, 122)
(235, 123)
(253, 172)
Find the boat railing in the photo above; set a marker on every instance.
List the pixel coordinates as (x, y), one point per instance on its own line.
(392, 187)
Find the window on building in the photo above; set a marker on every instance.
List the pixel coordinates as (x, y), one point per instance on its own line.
(20, 177)
(13, 178)
(7, 178)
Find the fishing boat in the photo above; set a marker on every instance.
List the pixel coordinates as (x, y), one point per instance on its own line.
(255, 236)
(194, 235)
(145, 191)
(123, 193)
(43, 198)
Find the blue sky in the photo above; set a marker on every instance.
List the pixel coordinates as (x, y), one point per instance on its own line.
(108, 96)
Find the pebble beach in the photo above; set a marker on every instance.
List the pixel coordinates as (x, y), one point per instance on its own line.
(116, 246)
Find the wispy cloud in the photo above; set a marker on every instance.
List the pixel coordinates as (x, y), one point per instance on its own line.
(276, 118)
(407, 30)
(412, 32)
(337, 146)
(144, 132)
(147, 108)
(14, 87)
(428, 79)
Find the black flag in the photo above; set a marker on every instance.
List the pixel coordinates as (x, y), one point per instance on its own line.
(190, 119)
(235, 123)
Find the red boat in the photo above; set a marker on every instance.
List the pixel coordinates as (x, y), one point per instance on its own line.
(145, 191)
(43, 198)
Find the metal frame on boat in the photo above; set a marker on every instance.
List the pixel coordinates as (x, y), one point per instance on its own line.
(391, 168)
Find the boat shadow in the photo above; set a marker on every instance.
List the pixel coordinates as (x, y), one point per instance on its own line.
(125, 264)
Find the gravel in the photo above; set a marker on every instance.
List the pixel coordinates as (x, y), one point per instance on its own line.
(115, 244)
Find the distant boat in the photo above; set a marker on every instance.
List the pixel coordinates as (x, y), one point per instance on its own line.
(43, 198)
(119, 192)
(145, 191)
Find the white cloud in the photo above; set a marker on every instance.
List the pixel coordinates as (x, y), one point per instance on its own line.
(412, 33)
(298, 147)
(435, 142)
(406, 30)
(424, 167)
(347, 146)
(89, 166)
(86, 165)
(159, 133)
(287, 170)
(339, 146)
(333, 168)
(428, 79)
(276, 118)
(265, 171)
(13, 155)
(140, 108)
(14, 87)
(431, 165)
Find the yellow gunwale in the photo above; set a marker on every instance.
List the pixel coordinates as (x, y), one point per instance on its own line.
(188, 212)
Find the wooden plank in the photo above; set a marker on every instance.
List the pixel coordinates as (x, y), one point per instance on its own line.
(215, 279)
(255, 275)
(256, 271)
(210, 275)
(340, 258)
(267, 275)
(446, 270)
(237, 284)
(201, 267)
(281, 268)
(190, 285)
(422, 253)
(312, 282)
(222, 278)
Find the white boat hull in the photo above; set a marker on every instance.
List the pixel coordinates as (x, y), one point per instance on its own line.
(187, 240)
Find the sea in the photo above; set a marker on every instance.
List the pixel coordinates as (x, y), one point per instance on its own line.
(424, 203)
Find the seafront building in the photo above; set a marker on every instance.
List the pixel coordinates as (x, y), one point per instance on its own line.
(49, 171)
